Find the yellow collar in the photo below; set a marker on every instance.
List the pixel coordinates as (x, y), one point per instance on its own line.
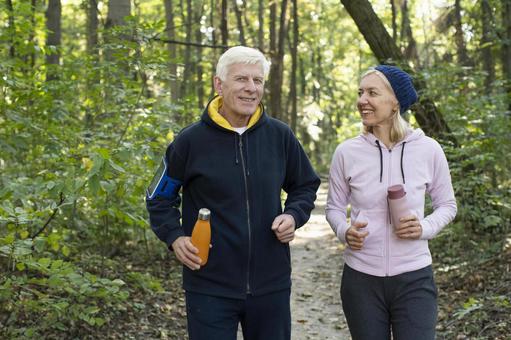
(213, 112)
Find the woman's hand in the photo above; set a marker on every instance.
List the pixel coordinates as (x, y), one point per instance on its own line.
(409, 228)
(354, 236)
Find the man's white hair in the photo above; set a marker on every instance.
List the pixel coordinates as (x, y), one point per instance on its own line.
(241, 55)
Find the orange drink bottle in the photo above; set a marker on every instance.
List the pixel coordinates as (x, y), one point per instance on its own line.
(201, 234)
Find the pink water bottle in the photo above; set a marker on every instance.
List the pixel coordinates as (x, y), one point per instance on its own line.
(398, 205)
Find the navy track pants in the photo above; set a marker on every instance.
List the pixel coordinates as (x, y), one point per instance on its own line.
(404, 305)
(262, 317)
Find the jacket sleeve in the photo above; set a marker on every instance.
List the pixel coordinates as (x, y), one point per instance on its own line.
(164, 213)
(338, 197)
(301, 183)
(442, 197)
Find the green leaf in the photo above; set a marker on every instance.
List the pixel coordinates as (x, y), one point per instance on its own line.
(94, 184)
(99, 321)
(44, 262)
(97, 165)
(105, 153)
(92, 310)
(107, 186)
(118, 282)
(9, 239)
(116, 167)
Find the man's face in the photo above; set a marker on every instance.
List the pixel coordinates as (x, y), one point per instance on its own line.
(242, 90)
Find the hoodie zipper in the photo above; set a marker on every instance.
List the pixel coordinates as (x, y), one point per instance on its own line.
(389, 226)
(248, 213)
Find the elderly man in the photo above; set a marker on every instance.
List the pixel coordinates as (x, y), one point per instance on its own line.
(235, 161)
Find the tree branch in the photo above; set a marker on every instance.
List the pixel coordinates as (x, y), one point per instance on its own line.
(52, 216)
(177, 42)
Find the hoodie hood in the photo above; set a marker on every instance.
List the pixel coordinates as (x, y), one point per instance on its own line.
(411, 135)
(212, 115)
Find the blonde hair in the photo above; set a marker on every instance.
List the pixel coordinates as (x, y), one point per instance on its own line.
(398, 126)
(241, 55)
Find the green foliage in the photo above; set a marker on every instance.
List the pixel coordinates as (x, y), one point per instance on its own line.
(76, 155)
(41, 294)
(479, 166)
(77, 151)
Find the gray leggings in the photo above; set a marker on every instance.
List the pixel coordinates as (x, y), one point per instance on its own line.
(405, 303)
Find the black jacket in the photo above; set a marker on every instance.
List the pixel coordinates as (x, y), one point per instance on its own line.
(239, 178)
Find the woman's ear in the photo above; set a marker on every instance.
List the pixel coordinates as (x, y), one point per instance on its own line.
(396, 108)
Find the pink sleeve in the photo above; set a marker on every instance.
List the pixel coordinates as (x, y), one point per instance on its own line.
(442, 196)
(338, 196)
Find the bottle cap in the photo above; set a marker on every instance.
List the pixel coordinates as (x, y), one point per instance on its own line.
(204, 214)
(396, 191)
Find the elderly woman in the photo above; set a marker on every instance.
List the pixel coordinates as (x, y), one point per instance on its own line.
(387, 282)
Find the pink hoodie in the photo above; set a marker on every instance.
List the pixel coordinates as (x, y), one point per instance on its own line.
(360, 176)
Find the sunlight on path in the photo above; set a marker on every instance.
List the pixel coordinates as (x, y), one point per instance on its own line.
(317, 261)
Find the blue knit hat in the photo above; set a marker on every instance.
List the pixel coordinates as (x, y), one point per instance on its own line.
(402, 85)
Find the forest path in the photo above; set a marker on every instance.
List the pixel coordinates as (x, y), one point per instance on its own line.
(316, 256)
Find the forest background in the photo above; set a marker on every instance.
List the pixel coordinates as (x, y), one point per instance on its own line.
(92, 91)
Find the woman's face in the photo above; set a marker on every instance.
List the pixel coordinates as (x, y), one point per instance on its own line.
(376, 102)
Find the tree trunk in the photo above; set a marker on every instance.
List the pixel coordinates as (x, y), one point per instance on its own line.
(294, 64)
(31, 36)
(273, 28)
(199, 70)
(277, 67)
(506, 48)
(260, 32)
(317, 74)
(486, 42)
(94, 77)
(223, 24)
(463, 58)
(250, 35)
(53, 36)
(303, 78)
(239, 22)
(385, 50)
(214, 58)
(92, 27)
(171, 49)
(117, 11)
(407, 36)
(187, 72)
(12, 28)
(394, 20)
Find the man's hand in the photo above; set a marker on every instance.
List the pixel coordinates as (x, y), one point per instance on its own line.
(186, 252)
(409, 228)
(355, 237)
(284, 227)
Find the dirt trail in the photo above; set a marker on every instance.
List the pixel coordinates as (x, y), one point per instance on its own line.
(317, 262)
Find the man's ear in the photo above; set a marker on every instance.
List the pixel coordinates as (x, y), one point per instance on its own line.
(217, 82)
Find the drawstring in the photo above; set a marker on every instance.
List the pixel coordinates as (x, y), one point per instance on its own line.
(381, 160)
(402, 153)
(236, 148)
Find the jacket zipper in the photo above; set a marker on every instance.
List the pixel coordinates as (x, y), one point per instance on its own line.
(248, 214)
(389, 226)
